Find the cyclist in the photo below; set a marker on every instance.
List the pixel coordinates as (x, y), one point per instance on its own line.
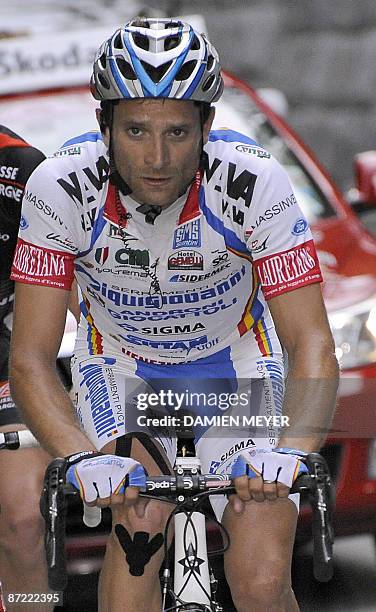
(193, 259)
(21, 474)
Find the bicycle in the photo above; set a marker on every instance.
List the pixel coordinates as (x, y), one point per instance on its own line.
(194, 584)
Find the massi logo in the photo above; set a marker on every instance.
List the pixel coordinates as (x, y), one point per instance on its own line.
(188, 235)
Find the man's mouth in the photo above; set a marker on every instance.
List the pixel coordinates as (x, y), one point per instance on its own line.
(156, 181)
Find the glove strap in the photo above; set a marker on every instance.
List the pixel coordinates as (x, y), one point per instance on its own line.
(80, 456)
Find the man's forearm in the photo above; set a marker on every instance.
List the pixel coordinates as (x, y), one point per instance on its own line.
(309, 402)
(47, 408)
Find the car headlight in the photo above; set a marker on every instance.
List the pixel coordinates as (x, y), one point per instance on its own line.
(354, 332)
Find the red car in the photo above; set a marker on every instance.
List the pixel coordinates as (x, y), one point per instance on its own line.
(348, 257)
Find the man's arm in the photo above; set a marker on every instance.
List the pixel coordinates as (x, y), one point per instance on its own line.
(303, 329)
(39, 318)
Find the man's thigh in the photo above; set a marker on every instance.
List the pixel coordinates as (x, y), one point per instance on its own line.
(261, 539)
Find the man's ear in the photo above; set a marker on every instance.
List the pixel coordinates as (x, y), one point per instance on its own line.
(207, 125)
(103, 126)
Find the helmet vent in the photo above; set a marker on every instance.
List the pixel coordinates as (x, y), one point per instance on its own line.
(156, 74)
(186, 70)
(103, 81)
(103, 61)
(208, 83)
(195, 44)
(140, 23)
(118, 42)
(126, 69)
(171, 43)
(141, 41)
(210, 62)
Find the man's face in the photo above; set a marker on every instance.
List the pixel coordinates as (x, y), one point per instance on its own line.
(157, 147)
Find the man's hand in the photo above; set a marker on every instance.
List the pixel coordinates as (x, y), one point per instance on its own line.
(105, 480)
(262, 474)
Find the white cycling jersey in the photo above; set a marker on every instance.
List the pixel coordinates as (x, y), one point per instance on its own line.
(186, 286)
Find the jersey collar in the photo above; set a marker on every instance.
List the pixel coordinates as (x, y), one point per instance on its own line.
(191, 208)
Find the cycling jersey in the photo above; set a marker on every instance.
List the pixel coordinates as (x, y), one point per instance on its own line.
(186, 286)
(17, 161)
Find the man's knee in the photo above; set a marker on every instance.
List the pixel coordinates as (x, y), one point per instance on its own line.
(267, 586)
(22, 530)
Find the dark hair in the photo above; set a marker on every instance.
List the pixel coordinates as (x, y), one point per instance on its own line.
(107, 112)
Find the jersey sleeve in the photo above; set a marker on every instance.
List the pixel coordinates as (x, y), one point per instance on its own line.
(278, 235)
(48, 239)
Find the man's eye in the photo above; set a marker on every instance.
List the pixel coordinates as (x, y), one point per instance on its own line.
(134, 131)
(178, 132)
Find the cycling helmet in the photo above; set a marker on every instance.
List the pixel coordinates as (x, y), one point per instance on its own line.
(157, 58)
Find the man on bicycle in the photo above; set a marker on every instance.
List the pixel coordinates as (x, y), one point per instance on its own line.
(22, 559)
(178, 295)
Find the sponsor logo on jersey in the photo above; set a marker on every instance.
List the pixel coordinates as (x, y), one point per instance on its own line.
(132, 257)
(186, 260)
(33, 261)
(8, 172)
(24, 224)
(188, 235)
(98, 395)
(70, 151)
(115, 232)
(238, 186)
(43, 207)
(220, 257)
(195, 278)
(236, 448)
(259, 247)
(288, 269)
(300, 227)
(63, 241)
(167, 330)
(214, 465)
(152, 301)
(244, 148)
(101, 255)
(88, 219)
(84, 185)
(13, 193)
(275, 210)
(201, 343)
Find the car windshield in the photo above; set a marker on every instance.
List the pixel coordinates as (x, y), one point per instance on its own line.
(48, 120)
(238, 111)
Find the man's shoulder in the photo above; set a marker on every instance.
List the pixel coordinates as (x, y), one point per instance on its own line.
(229, 145)
(77, 160)
(79, 150)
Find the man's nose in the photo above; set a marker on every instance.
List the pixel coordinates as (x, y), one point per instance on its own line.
(157, 154)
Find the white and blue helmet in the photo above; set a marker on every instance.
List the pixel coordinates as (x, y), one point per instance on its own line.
(157, 58)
